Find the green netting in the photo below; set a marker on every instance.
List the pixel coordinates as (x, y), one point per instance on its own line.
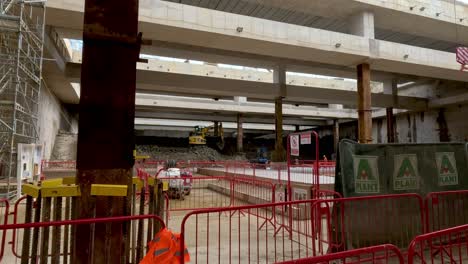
(375, 169)
(372, 169)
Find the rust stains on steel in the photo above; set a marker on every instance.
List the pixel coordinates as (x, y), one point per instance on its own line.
(105, 140)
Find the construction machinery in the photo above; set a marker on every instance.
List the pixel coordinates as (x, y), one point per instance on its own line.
(211, 135)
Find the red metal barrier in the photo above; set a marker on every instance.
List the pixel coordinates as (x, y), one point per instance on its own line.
(58, 164)
(199, 192)
(238, 234)
(4, 210)
(446, 209)
(377, 254)
(43, 258)
(327, 194)
(444, 246)
(13, 241)
(347, 223)
(308, 173)
(215, 192)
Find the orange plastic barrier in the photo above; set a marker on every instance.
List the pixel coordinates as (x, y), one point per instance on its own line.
(164, 249)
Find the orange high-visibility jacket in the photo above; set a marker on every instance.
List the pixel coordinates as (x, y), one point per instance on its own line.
(165, 249)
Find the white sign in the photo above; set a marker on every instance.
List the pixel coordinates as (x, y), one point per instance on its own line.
(405, 172)
(294, 144)
(366, 174)
(306, 139)
(280, 195)
(446, 168)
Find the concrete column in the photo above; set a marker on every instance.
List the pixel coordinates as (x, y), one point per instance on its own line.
(336, 135)
(364, 103)
(240, 99)
(279, 77)
(240, 134)
(335, 106)
(362, 24)
(106, 126)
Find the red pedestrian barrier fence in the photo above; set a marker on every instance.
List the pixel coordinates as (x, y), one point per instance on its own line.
(4, 209)
(215, 192)
(446, 209)
(198, 192)
(348, 223)
(238, 234)
(444, 246)
(58, 164)
(51, 249)
(381, 254)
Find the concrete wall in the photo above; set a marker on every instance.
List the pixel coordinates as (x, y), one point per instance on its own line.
(53, 117)
(424, 127)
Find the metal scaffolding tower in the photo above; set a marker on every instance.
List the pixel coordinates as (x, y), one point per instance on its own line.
(21, 51)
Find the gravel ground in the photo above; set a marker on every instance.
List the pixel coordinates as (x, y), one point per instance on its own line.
(181, 153)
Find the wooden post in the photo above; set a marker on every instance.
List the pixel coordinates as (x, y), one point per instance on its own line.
(27, 232)
(106, 125)
(141, 224)
(364, 103)
(45, 231)
(35, 239)
(56, 231)
(66, 236)
(159, 204)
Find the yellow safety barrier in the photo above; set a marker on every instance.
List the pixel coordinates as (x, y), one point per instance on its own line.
(69, 180)
(52, 182)
(31, 190)
(108, 190)
(61, 191)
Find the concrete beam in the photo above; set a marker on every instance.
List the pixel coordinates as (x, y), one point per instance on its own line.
(184, 84)
(449, 101)
(213, 29)
(226, 126)
(187, 115)
(436, 19)
(156, 102)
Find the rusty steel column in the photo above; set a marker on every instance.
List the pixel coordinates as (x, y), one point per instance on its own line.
(364, 103)
(280, 152)
(279, 78)
(336, 135)
(390, 126)
(240, 134)
(216, 128)
(106, 125)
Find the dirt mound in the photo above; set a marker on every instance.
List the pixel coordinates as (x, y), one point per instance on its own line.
(182, 153)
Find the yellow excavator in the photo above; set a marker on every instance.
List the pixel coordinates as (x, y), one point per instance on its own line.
(211, 135)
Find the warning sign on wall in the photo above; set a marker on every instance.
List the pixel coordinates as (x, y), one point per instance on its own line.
(405, 172)
(446, 168)
(294, 142)
(306, 139)
(366, 174)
